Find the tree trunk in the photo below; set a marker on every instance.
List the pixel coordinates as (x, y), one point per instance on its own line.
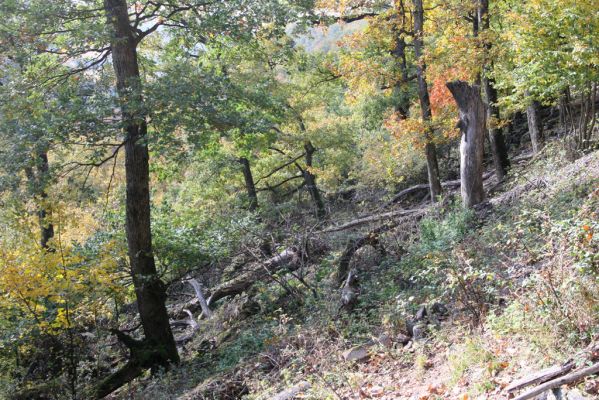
(472, 125)
(498, 146)
(425, 104)
(310, 180)
(402, 106)
(249, 184)
(149, 289)
(46, 227)
(535, 129)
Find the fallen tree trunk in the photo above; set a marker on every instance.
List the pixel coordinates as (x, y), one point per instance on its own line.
(289, 259)
(564, 380)
(424, 186)
(375, 218)
(540, 377)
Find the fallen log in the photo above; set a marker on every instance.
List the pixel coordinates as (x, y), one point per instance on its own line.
(292, 391)
(425, 186)
(564, 380)
(540, 376)
(289, 259)
(375, 218)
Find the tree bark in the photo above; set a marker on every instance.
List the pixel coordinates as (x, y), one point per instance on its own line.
(149, 289)
(498, 147)
(472, 125)
(46, 227)
(310, 180)
(535, 129)
(250, 187)
(431, 153)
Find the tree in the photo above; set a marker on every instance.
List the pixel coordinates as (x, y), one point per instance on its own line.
(158, 348)
(496, 139)
(472, 126)
(431, 153)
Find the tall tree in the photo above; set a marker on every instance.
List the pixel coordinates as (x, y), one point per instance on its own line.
(158, 348)
(498, 147)
(432, 163)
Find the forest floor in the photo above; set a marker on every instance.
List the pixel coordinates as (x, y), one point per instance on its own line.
(514, 278)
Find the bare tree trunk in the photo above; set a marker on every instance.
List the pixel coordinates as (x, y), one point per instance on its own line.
(310, 180)
(249, 184)
(535, 129)
(501, 159)
(159, 347)
(472, 125)
(425, 104)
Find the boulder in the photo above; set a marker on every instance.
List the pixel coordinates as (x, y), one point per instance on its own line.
(357, 354)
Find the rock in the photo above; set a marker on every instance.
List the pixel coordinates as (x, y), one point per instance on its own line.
(592, 387)
(357, 354)
(385, 340)
(555, 394)
(421, 313)
(403, 339)
(419, 331)
(575, 394)
(439, 309)
(366, 258)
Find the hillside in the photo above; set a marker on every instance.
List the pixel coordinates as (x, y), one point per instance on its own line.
(315, 199)
(510, 276)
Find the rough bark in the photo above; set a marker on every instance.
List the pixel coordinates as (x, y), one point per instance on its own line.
(250, 187)
(310, 180)
(46, 227)
(425, 104)
(159, 348)
(501, 159)
(472, 125)
(535, 128)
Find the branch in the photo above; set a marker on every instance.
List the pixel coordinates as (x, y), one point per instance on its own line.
(281, 167)
(570, 378)
(268, 187)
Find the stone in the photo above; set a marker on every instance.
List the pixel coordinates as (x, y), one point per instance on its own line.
(419, 331)
(421, 313)
(357, 354)
(439, 309)
(403, 339)
(575, 394)
(384, 340)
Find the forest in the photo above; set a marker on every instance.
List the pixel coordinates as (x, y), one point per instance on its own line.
(309, 199)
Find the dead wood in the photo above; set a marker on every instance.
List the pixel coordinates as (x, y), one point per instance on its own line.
(540, 376)
(200, 296)
(564, 380)
(425, 186)
(375, 218)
